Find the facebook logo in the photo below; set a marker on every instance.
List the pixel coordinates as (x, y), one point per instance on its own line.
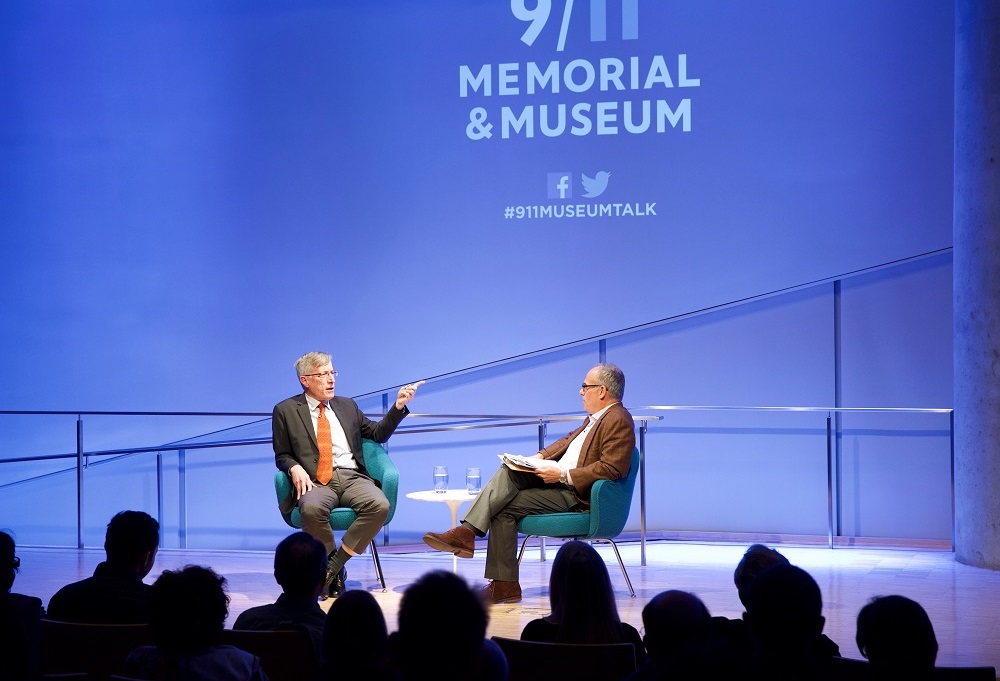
(560, 185)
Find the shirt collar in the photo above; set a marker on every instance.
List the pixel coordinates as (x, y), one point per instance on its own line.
(313, 402)
(595, 417)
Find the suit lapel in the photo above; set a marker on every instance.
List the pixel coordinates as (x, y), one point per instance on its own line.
(341, 413)
(302, 409)
(588, 441)
(345, 414)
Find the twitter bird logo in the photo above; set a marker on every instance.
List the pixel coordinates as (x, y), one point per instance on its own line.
(595, 186)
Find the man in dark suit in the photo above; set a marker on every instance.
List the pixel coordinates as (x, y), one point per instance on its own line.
(601, 448)
(317, 443)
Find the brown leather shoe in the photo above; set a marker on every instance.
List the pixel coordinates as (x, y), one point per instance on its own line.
(459, 540)
(499, 591)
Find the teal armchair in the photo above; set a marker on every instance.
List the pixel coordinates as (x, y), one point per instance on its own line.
(610, 502)
(379, 466)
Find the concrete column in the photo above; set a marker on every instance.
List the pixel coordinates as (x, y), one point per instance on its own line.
(977, 282)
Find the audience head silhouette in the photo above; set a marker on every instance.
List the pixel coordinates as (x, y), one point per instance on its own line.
(440, 607)
(188, 609)
(300, 565)
(784, 613)
(677, 624)
(756, 559)
(9, 563)
(896, 635)
(582, 597)
(20, 620)
(355, 637)
(115, 593)
(131, 539)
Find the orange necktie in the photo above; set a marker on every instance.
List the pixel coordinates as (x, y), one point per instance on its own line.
(324, 470)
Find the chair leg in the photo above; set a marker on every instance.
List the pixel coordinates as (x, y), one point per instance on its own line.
(378, 567)
(523, 544)
(619, 556)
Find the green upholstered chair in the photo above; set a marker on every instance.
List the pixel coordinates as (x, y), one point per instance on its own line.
(380, 467)
(610, 502)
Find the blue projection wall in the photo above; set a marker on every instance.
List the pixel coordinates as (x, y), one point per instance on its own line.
(194, 193)
(747, 147)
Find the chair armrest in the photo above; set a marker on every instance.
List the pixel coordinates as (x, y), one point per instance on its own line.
(282, 486)
(283, 491)
(382, 468)
(610, 503)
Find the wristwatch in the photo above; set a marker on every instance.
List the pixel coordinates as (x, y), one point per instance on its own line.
(562, 476)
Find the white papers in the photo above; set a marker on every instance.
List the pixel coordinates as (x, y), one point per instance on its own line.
(523, 463)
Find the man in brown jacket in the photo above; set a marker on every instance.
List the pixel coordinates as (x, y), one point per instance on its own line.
(601, 448)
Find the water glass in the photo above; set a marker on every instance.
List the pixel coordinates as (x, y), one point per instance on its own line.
(441, 479)
(473, 481)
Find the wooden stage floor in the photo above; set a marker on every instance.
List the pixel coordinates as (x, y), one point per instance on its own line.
(963, 601)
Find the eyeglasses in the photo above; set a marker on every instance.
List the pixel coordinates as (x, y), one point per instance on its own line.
(590, 385)
(325, 374)
(17, 563)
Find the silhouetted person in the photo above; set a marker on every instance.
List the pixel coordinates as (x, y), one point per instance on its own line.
(188, 613)
(583, 603)
(115, 594)
(785, 620)
(678, 633)
(756, 559)
(442, 627)
(20, 620)
(300, 570)
(356, 639)
(897, 637)
(731, 637)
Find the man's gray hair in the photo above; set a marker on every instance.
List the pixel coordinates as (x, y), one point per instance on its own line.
(612, 378)
(309, 362)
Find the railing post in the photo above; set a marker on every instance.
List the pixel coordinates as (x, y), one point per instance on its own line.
(182, 518)
(829, 480)
(79, 481)
(159, 497)
(643, 424)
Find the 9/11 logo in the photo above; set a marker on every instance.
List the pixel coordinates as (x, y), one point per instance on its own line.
(538, 16)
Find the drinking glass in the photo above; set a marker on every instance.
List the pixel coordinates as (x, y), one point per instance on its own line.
(472, 480)
(441, 479)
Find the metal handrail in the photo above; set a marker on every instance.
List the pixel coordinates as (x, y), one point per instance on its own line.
(480, 421)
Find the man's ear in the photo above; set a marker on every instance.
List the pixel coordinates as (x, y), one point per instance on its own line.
(148, 558)
(822, 623)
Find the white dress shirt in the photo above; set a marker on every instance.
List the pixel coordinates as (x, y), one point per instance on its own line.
(572, 456)
(342, 455)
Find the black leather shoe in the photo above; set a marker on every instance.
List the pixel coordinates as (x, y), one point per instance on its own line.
(330, 574)
(337, 585)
